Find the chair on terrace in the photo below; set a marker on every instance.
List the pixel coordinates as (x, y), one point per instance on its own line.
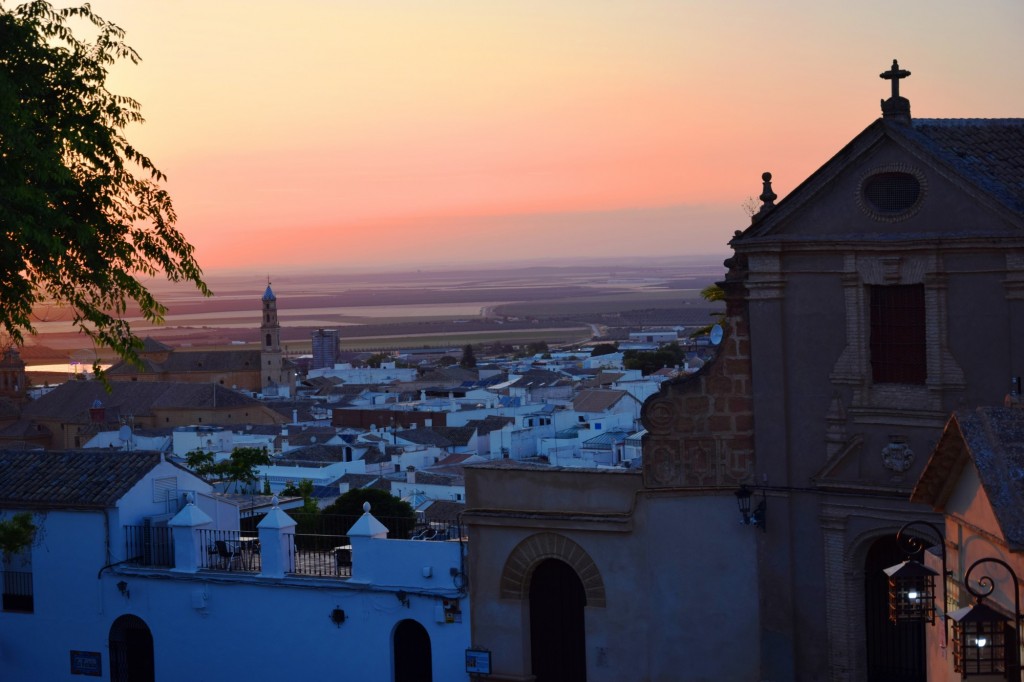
(227, 553)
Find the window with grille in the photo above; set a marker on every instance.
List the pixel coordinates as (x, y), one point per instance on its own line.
(892, 192)
(898, 334)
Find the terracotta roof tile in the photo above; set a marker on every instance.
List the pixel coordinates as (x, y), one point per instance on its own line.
(71, 478)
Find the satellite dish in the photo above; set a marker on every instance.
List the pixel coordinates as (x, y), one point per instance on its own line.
(716, 334)
(124, 434)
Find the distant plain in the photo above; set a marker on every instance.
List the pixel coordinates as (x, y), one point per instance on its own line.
(560, 303)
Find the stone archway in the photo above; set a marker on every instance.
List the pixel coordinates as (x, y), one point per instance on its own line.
(528, 554)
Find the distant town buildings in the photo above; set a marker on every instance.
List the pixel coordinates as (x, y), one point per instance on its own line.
(324, 348)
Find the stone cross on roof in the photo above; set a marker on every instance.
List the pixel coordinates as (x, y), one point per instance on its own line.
(896, 108)
(895, 74)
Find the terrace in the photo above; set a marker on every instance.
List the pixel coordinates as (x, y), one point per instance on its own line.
(309, 554)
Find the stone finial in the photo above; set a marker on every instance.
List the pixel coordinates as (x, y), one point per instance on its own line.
(274, 501)
(767, 197)
(896, 107)
(366, 507)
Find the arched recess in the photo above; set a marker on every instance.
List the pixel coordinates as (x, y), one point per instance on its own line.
(411, 649)
(131, 650)
(528, 554)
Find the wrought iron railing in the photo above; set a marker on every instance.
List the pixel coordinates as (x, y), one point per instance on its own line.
(230, 550)
(399, 528)
(327, 556)
(149, 545)
(17, 591)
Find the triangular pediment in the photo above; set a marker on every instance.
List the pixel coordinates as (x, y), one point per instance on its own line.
(898, 182)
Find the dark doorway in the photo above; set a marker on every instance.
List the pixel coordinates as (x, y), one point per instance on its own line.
(412, 653)
(557, 629)
(131, 651)
(896, 651)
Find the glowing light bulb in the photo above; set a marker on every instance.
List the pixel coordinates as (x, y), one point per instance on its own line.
(913, 595)
(981, 642)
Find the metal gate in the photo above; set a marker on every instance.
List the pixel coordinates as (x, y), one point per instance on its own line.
(895, 651)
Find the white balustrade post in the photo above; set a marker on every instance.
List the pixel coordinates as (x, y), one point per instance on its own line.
(275, 545)
(188, 548)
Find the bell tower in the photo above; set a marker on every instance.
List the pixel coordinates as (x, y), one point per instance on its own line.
(270, 349)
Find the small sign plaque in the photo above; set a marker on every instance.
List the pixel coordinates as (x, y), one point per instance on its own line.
(478, 661)
(86, 663)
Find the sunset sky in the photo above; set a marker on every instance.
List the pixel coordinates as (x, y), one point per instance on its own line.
(422, 133)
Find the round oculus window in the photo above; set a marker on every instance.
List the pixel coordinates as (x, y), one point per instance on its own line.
(891, 194)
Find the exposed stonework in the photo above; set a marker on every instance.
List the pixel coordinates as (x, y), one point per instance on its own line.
(515, 578)
(700, 428)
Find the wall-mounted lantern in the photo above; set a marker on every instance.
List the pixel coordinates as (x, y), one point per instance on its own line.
(911, 592)
(911, 583)
(757, 517)
(985, 640)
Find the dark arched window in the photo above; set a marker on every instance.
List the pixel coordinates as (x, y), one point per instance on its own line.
(412, 653)
(131, 650)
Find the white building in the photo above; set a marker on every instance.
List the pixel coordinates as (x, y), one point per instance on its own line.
(100, 592)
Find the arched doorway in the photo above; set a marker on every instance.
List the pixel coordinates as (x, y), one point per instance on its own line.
(557, 628)
(412, 653)
(895, 651)
(131, 650)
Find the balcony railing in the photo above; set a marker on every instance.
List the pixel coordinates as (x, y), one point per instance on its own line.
(17, 593)
(149, 546)
(328, 556)
(230, 550)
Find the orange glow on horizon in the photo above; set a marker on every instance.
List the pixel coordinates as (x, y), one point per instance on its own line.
(407, 132)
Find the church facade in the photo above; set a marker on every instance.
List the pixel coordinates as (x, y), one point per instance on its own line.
(883, 293)
(264, 371)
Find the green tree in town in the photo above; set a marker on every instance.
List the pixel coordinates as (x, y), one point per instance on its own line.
(16, 533)
(669, 355)
(240, 470)
(202, 463)
(712, 293)
(468, 360)
(306, 515)
(398, 515)
(604, 349)
(83, 216)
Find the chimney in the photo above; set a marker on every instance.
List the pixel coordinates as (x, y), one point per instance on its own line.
(410, 475)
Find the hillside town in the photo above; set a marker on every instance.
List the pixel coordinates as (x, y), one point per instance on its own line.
(747, 513)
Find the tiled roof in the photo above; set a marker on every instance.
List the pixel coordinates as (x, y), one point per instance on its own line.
(989, 152)
(180, 361)
(491, 422)
(442, 510)
(435, 478)
(313, 453)
(72, 400)
(151, 345)
(457, 435)
(365, 481)
(541, 378)
(993, 439)
(425, 436)
(79, 479)
(597, 399)
(605, 440)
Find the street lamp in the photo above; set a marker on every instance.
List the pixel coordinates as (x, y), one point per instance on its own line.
(757, 516)
(911, 583)
(983, 642)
